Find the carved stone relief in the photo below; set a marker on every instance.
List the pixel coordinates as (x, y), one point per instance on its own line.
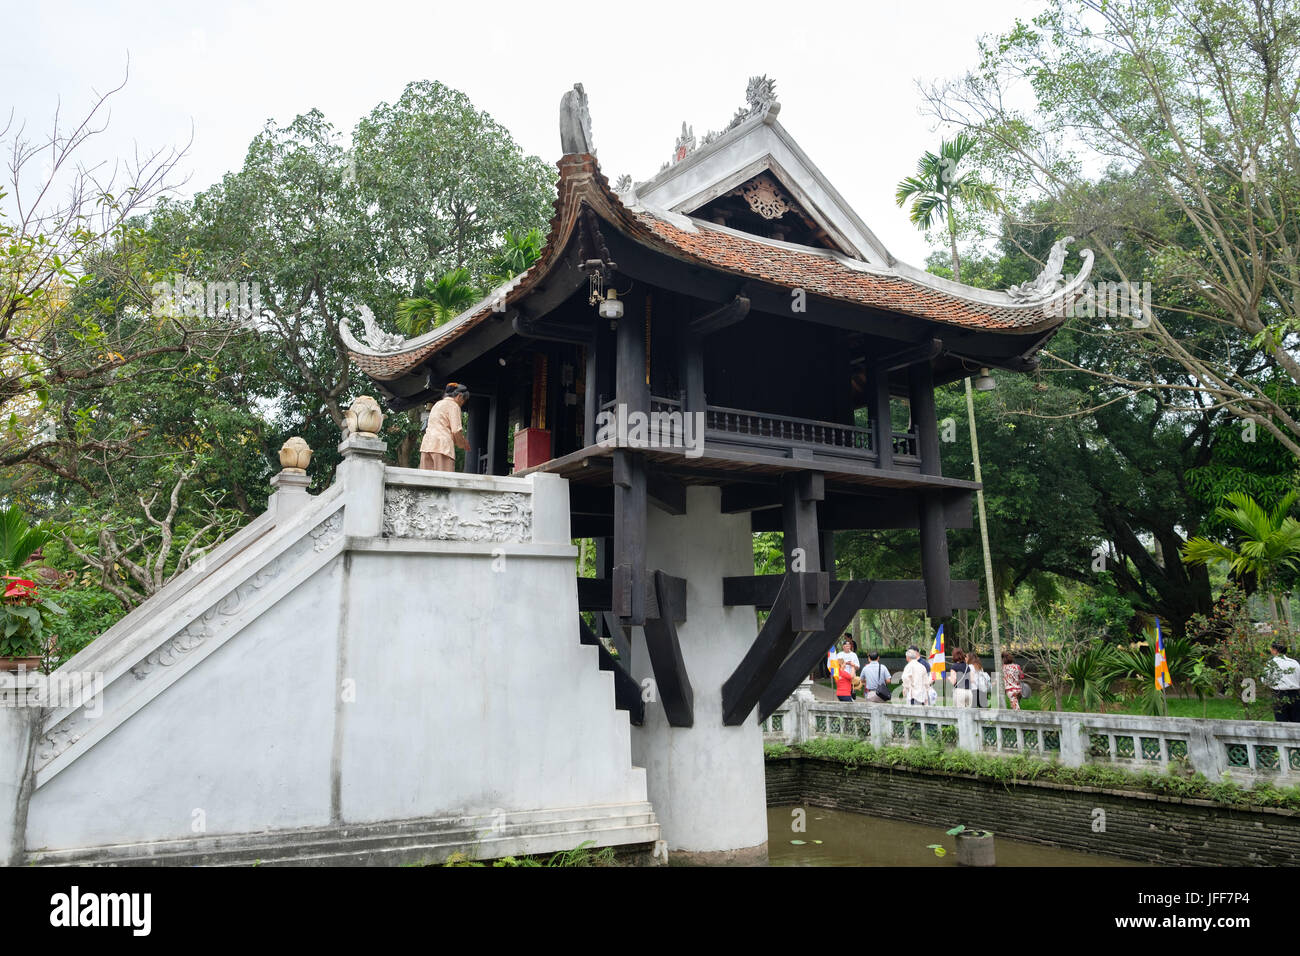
(442, 514)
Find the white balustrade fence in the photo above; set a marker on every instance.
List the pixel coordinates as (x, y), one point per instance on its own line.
(1247, 750)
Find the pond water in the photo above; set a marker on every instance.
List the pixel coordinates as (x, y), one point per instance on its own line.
(854, 839)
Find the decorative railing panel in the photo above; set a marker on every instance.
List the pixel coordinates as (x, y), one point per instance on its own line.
(1245, 750)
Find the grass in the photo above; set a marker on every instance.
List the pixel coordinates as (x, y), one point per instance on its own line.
(853, 753)
(1216, 708)
(580, 855)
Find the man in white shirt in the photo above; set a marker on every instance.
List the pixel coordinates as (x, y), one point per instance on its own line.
(848, 655)
(1283, 676)
(916, 679)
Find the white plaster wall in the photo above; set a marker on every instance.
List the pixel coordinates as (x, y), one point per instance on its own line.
(473, 692)
(245, 737)
(706, 782)
(403, 679)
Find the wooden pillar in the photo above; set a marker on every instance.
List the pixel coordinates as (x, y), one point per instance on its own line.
(479, 409)
(628, 574)
(591, 392)
(920, 386)
(800, 492)
(498, 425)
(630, 386)
(883, 421)
(693, 371)
(934, 532)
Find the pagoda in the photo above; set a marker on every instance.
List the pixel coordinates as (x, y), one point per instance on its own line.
(725, 348)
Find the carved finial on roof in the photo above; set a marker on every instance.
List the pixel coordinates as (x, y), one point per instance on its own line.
(760, 95)
(377, 338)
(685, 143)
(1052, 279)
(575, 122)
(623, 184)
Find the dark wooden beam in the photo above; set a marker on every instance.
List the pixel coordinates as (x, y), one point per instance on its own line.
(738, 498)
(595, 594)
(551, 331)
(812, 647)
(882, 421)
(760, 590)
(721, 317)
(627, 692)
(672, 683)
(847, 512)
(741, 690)
(924, 352)
(665, 493)
(619, 635)
(591, 500)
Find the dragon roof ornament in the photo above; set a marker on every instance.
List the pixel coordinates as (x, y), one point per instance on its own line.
(1052, 280)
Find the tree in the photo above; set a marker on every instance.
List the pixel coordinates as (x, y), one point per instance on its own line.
(938, 187)
(443, 182)
(76, 298)
(1193, 110)
(516, 256)
(443, 300)
(1269, 542)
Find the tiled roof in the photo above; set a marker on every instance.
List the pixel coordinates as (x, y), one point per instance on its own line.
(821, 274)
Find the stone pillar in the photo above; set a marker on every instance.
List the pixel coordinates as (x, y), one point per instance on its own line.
(706, 781)
(291, 484)
(362, 470)
(20, 725)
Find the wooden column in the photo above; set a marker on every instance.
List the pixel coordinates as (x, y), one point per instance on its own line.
(800, 493)
(883, 422)
(693, 371)
(498, 423)
(629, 577)
(934, 533)
(478, 431)
(591, 387)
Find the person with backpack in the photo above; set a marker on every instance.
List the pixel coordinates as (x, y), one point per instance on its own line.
(979, 680)
(875, 678)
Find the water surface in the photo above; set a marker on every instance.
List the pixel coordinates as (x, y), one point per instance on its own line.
(854, 839)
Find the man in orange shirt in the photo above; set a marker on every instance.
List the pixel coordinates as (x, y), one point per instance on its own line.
(444, 434)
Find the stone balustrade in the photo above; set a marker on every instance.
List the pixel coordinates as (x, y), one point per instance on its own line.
(1246, 750)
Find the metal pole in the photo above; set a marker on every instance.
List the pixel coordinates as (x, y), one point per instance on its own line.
(996, 694)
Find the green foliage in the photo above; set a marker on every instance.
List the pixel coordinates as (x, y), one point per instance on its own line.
(443, 300)
(1241, 649)
(1268, 540)
(19, 539)
(26, 619)
(90, 612)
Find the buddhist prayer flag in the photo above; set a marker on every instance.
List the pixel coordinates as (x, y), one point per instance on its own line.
(1163, 679)
(937, 658)
(833, 663)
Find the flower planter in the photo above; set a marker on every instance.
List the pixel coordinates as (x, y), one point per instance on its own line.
(975, 848)
(14, 663)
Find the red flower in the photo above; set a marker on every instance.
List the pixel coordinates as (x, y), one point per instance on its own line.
(20, 588)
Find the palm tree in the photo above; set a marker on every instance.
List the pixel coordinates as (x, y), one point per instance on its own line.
(1270, 542)
(518, 252)
(935, 191)
(20, 540)
(443, 300)
(938, 187)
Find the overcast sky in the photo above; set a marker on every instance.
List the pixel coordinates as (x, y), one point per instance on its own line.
(844, 74)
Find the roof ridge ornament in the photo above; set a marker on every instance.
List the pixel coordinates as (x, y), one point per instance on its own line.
(685, 143)
(376, 338)
(575, 123)
(760, 97)
(1052, 279)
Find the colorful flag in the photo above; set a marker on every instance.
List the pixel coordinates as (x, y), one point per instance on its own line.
(833, 663)
(1163, 679)
(937, 657)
